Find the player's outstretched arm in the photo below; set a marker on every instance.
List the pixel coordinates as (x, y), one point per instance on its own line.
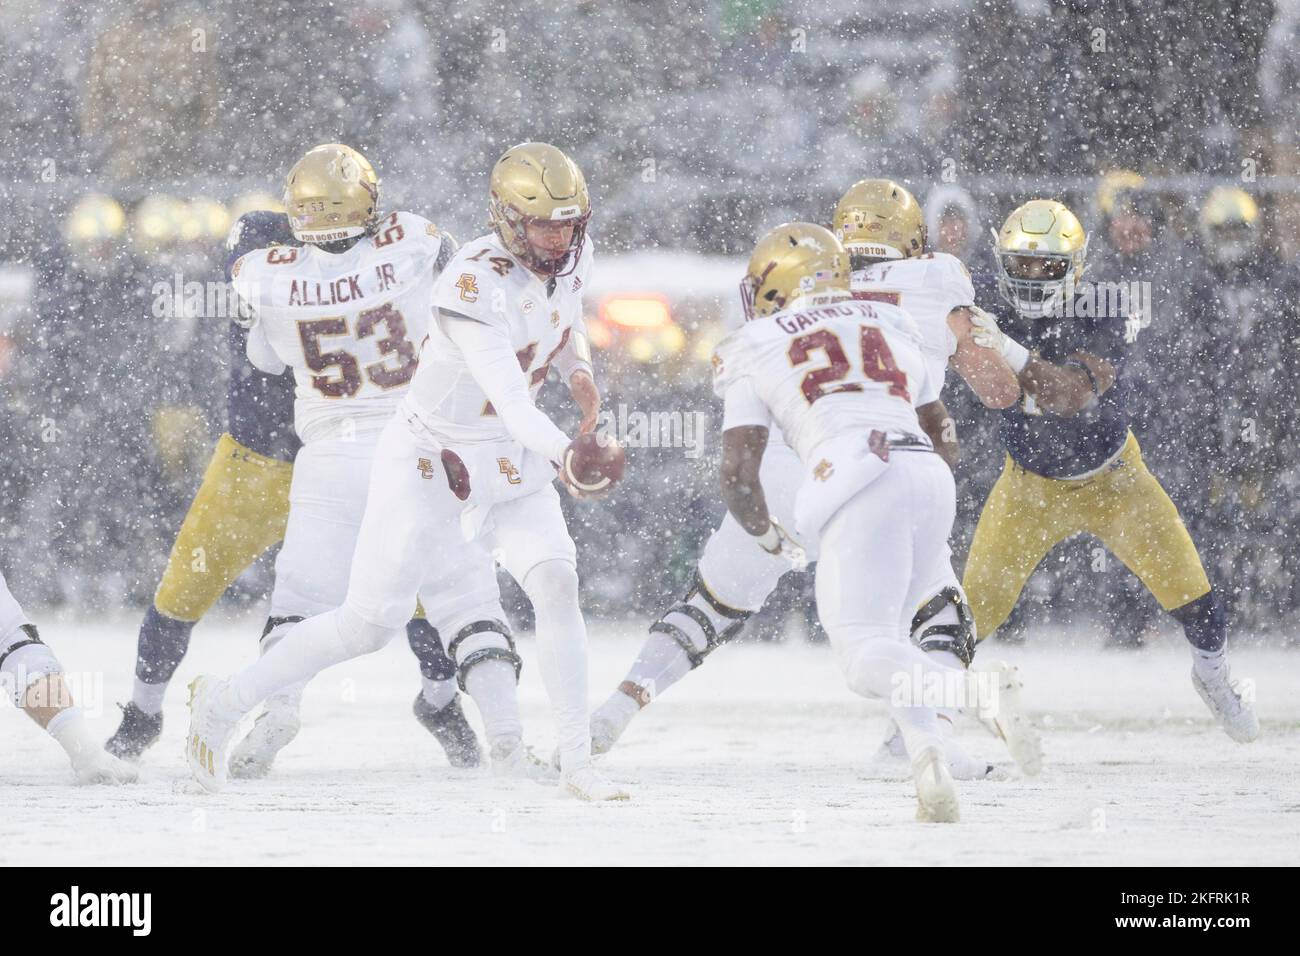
(742, 453)
(985, 370)
(1065, 389)
(495, 368)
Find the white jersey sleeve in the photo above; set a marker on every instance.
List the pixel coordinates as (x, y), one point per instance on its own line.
(743, 407)
(261, 353)
(493, 364)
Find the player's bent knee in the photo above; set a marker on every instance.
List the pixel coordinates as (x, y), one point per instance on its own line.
(872, 662)
(360, 636)
(483, 641)
(25, 659)
(553, 583)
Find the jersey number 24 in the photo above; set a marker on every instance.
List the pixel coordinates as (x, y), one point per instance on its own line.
(878, 364)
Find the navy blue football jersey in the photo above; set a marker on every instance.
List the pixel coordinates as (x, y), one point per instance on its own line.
(259, 406)
(1063, 446)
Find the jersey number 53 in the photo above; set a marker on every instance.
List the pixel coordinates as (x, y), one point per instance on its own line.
(393, 372)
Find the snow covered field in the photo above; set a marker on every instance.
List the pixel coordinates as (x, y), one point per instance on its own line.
(757, 758)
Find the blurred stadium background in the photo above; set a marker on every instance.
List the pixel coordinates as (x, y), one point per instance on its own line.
(133, 132)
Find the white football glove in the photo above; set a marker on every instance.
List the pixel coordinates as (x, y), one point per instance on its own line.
(776, 540)
(986, 334)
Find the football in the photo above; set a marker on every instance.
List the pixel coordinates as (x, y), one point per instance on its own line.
(594, 463)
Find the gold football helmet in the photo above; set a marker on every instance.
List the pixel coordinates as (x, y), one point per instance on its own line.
(879, 219)
(1229, 224)
(1040, 253)
(797, 262)
(1116, 190)
(332, 193)
(536, 182)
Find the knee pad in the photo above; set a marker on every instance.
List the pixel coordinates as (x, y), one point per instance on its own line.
(945, 623)
(359, 636)
(713, 638)
(24, 659)
(483, 641)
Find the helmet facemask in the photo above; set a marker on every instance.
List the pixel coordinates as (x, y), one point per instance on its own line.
(1037, 284)
(511, 227)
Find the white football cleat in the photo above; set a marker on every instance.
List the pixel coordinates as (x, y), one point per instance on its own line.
(890, 760)
(98, 766)
(519, 762)
(1010, 724)
(1223, 696)
(273, 730)
(211, 728)
(588, 783)
(936, 794)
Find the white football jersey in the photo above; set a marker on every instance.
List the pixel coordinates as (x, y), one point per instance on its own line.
(484, 282)
(847, 367)
(349, 325)
(927, 288)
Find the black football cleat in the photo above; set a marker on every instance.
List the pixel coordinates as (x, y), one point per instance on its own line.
(136, 734)
(451, 729)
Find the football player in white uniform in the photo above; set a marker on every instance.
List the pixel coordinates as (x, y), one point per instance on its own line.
(843, 380)
(470, 456)
(33, 678)
(346, 311)
(883, 228)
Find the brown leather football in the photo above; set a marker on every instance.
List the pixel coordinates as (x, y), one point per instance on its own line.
(594, 463)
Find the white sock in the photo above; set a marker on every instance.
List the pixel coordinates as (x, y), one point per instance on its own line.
(149, 697)
(1208, 664)
(492, 686)
(73, 734)
(661, 663)
(288, 698)
(306, 650)
(618, 709)
(552, 586)
(439, 693)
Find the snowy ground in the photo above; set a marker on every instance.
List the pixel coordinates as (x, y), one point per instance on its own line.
(756, 758)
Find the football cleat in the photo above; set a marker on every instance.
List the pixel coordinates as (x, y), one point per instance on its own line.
(273, 730)
(211, 728)
(96, 766)
(1224, 698)
(936, 794)
(451, 729)
(890, 760)
(588, 783)
(137, 732)
(519, 762)
(1011, 725)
